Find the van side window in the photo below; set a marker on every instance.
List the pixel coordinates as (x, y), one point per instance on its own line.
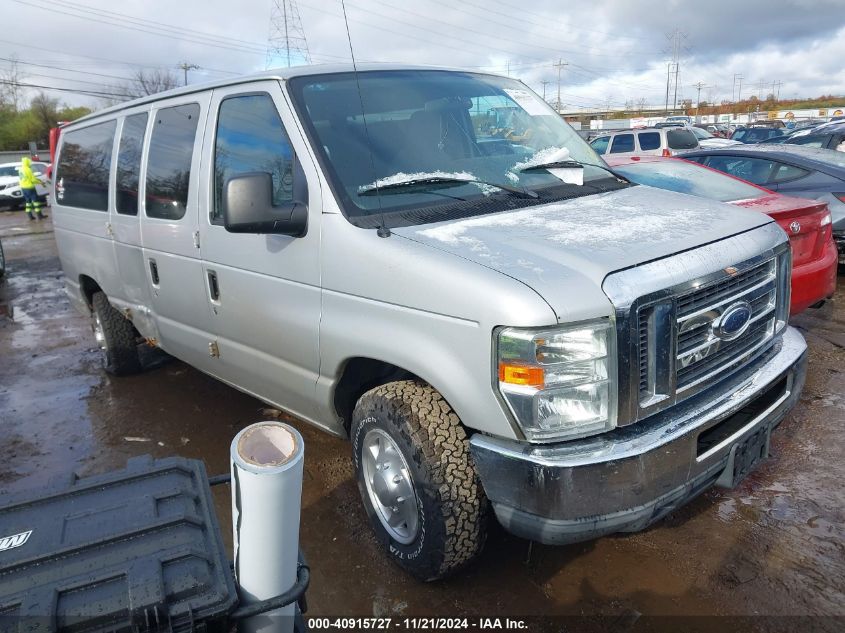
(82, 177)
(251, 138)
(129, 163)
(169, 162)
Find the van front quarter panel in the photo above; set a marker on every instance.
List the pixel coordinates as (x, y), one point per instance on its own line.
(423, 310)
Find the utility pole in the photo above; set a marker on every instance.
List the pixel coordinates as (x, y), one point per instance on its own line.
(185, 66)
(699, 85)
(545, 83)
(668, 72)
(560, 65)
(733, 88)
(739, 92)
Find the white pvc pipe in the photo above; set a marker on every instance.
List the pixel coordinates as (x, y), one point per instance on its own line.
(266, 460)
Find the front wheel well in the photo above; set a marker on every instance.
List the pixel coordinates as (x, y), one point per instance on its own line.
(359, 376)
(89, 288)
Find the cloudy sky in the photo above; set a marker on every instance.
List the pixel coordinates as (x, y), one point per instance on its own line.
(616, 51)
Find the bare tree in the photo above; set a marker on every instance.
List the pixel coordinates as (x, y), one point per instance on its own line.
(149, 82)
(641, 104)
(142, 83)
(11, 91)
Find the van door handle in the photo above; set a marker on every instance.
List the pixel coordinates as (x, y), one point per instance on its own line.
(154, 272)
(213, 286)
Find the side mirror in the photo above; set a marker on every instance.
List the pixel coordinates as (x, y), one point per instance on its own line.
(248, 205)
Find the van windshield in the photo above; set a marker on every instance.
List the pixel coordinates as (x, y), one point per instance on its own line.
(429, 134)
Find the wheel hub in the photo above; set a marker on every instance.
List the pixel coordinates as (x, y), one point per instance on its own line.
(390, 486)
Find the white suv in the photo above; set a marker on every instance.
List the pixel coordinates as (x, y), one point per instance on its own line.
(666, 141)
(10, 188)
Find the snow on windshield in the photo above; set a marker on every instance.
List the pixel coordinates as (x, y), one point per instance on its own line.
(402, 177)
(544, 156)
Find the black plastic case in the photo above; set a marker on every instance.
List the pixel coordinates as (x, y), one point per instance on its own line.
(131, 550)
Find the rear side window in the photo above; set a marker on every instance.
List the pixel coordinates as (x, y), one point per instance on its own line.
(251, 138)
(169, 163)
(756, 170)
(788, 172)
(129, 163)
(622, 143)
(809, 140)
(82, 178)
(649, 140)
(600, 144)
(681, 139)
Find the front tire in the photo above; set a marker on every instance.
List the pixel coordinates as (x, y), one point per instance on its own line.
(417, 480)
(116, 337)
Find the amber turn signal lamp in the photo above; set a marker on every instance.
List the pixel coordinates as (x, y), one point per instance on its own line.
(513, 374)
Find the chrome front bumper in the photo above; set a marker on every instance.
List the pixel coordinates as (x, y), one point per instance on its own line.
(626, 479)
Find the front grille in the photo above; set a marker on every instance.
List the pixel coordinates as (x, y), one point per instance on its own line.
(679, 345)
(700, 352)
(642, 347)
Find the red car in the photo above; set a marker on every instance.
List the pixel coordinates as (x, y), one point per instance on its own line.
(806, 222)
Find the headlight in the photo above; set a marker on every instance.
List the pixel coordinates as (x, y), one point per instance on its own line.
(559, 382)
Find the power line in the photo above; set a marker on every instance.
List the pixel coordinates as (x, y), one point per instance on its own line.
(91, 93)
(104, 59)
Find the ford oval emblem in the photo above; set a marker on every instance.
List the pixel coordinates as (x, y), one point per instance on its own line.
(733, 321)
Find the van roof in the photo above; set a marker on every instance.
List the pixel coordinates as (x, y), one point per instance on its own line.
(281, 74)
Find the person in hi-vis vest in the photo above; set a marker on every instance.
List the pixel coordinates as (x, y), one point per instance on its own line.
(29, 181)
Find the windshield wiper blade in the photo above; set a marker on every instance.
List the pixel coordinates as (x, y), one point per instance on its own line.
(571, 164)
(442, 181)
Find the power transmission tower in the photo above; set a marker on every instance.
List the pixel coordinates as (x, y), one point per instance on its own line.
(560, 65)
(676, 38)
(185, 66)
(286, 41)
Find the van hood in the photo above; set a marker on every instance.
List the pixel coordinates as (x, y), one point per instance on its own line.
(564, 248)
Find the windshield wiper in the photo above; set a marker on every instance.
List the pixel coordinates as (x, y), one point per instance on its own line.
(442, 181)
(565, 164)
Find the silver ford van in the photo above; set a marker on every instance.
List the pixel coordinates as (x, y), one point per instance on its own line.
(433, 264)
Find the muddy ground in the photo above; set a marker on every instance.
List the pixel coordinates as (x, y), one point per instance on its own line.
(774, 546)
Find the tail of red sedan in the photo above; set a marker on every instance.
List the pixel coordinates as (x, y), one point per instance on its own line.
(814, 255)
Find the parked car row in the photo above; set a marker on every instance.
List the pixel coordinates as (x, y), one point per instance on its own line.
(796, 170)
(806, 222)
